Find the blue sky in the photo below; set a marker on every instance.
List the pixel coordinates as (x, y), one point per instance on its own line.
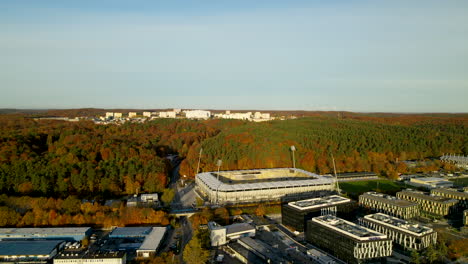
(366, 56)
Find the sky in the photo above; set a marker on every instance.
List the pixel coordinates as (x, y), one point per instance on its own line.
(346, 55)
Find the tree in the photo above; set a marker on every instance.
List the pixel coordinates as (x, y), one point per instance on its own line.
(168, 196)
(194, 253)
(431, 254)
(415, 258)
(260, 211)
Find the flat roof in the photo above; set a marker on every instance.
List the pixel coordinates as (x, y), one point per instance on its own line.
(463, 195)
(348, 228)
(429, 179)
(311, 179)
(427, 197)
(400, 224)
(262, 248)
(319, 202)
(90, 255)
(41, 232)
(153, 239)
(131, 231)
(28, 248)
(237, 228)
(388, 199)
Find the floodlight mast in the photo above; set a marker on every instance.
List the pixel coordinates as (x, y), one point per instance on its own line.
(293, 149)
(218, 163)
(336, 177)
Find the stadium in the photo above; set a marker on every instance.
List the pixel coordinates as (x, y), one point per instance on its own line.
(257, 185)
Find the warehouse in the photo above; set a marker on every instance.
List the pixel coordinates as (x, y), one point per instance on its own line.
(462, 197)
(407, 235)
(296, 214)
(39, 251)
(347, 241)
(243, 186)
(57, 233)
(149, 237)
(388, 204)
(436, 205)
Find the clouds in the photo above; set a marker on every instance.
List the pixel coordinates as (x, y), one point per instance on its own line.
(341, 55)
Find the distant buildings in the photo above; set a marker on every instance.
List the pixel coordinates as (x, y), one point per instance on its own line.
(132, 114)
(29, 251)
(242, 186)
(388, 204)
(407, 235)
(296, 214)
(52, 233)
(117, 115)
(220, 235)
(436, 205)
(197, 114)
(458, 160)
(349, 242)
(167, 114)
(147, 114)
(146, 199)
(430, 182)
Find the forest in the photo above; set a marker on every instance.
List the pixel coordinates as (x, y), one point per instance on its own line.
(58, 159)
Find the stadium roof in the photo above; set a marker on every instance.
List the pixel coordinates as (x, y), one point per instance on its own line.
(153, 240)
(214, 184)
(388, 199)
(28, 248)
(348, 228)
(400, 224)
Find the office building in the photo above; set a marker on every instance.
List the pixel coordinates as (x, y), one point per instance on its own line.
(295, 214)
(32, 251)
(388, 204)
(407, 235)
(220, 235)
(347, 241)
(241, 186)
(436, 205)
(462, 197)
(53, 233)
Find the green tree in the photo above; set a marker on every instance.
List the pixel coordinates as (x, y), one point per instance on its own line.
(194, 253)
(431, 254)
(168, 196)
(415, 257)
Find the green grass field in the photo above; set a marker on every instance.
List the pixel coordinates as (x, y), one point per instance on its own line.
(354, 189)
(461, 182)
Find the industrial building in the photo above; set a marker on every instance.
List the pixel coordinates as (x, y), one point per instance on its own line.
(241, 186)
(407, 235)
(53, 233)
(220, 235)
(295, 214)
(152, 237)
(84, 257)
(388, 204)
(462, 197)
(348, 241)
(436, 205)
(33, 251)
(430, 182)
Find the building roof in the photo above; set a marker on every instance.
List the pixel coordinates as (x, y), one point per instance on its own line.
(306, 179)
(462, 195)
(400, 224)
(319, 202)
(433, 198)
(429, 179)
(131, 231)
(90, 255)
(28, 248)
(153, 239)
(239, 227)
(348, 228)
(40, 232)
(388, 199)
(262, 248)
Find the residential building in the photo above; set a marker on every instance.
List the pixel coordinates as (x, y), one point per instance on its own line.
(52, 233)
(109, 115)
(117, 115)
(465, 217)
(147, 114)
(348, 241)
(220, 235)
(132, 114)
(407, 235)
(462, 197)
(84, 257)
(388, 204)
(295, 214)
(430, 182)
(31, 251)
(436, 205)
(197, 114)
(167, 114)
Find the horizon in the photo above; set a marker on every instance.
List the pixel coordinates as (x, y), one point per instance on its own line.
(356, 56)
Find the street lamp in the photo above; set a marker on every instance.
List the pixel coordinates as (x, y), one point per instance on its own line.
(293, 149)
